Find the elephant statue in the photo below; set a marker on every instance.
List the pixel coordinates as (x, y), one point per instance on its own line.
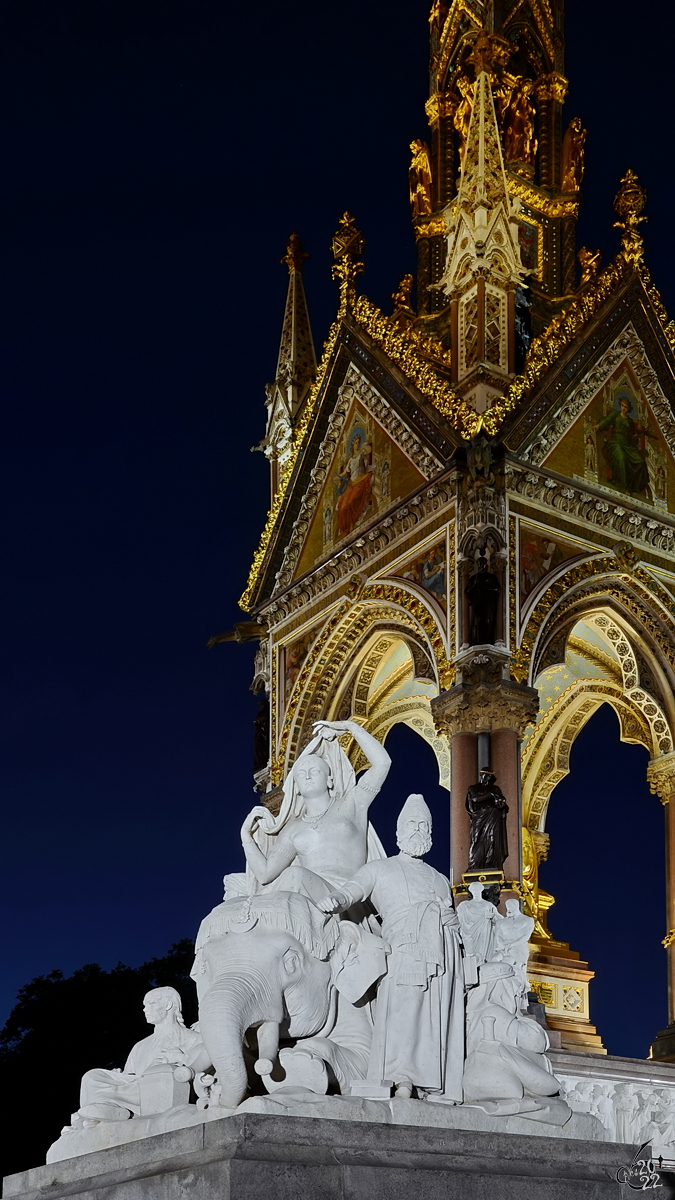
(275, 963)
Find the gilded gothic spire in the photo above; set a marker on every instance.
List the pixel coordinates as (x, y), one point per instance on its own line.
(296, 366)
(483, 264)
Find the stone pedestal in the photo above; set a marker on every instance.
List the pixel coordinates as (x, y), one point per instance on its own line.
(560, 979)
(286, 1157)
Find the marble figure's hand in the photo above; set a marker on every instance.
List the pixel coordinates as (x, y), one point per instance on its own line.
(329, 729)
(332, 903)
(256, 814)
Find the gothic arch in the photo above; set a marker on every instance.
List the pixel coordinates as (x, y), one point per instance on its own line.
(635, 598)
(618, 668)
(376, 610)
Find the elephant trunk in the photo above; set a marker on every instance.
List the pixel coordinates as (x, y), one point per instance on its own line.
(229, 1008)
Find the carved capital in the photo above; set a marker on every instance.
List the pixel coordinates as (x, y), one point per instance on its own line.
(441, 104)
(661, 777)
(552, 87)
(485, 706)
(540, 842)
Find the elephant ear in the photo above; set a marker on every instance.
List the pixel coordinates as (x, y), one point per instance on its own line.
(358, 960)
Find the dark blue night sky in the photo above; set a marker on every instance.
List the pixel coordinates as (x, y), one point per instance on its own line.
(156, 155)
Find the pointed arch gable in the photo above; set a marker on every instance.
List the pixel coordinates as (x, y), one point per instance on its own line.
(647, 607)
(378, 605)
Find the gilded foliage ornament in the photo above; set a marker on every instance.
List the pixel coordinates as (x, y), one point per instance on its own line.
(629, 203)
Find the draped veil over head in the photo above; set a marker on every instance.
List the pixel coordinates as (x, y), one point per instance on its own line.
(341, 780)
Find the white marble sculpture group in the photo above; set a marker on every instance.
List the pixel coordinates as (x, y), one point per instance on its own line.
(331, 968)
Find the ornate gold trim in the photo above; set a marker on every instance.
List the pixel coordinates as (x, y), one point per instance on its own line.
(430, 226)
(649, 592)
(280, 494)
(654, 295)
(424, 617)
(353, 616)
(453, 640)
(415, 355)
(550, 206)
(546, 349)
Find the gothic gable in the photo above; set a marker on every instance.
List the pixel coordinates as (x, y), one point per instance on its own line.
(368, 462)
(618, 440)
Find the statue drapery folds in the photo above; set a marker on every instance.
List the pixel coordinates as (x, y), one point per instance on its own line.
(487, 808)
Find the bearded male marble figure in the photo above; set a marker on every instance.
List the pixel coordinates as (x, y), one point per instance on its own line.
(418, 1038)
(322, 834)
(115, 1095)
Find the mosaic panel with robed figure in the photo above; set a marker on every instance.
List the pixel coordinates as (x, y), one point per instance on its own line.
(617, 443)
(367, 475)
(428, 571)
(540, 554)
(294, 656)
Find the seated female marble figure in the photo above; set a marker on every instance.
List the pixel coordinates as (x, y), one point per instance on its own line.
(322, 834)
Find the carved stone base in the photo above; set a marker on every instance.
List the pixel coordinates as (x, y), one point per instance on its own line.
(662, 1048)
(560, 980)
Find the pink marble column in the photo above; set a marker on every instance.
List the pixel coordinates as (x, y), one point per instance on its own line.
(506, 766)
(464, 767)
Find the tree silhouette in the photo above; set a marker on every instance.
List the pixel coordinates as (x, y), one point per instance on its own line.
(61, 1027)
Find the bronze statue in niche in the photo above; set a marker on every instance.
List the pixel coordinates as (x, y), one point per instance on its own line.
(482, 593)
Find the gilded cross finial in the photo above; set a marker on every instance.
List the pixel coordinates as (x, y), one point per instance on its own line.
(629, 203)
(347, 245)
(295, 254)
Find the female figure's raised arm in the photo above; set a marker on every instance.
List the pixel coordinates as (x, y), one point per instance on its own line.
(371, 781)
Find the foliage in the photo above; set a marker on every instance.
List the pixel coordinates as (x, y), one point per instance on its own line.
(61, 1027)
